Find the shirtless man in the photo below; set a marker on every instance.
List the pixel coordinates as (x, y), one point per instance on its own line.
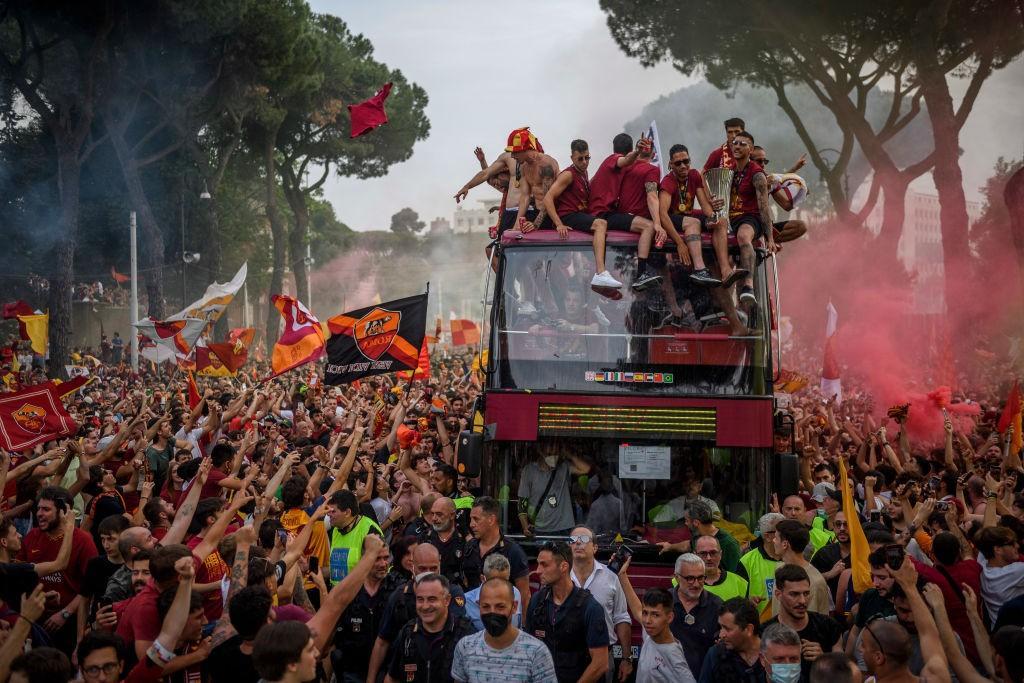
(498, 175)
(538, 171)
(789, 230)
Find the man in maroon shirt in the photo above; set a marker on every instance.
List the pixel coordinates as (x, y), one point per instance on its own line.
(950, 573)
(605, 203)
(681, 190)
(749, 211)
(42, 544)
(638, 212)
(567, 199)
(722, 157)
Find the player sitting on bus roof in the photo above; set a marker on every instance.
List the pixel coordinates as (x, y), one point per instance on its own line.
(567, 199)
(750, 212)
(538, 171)
(681, 190)
(788, 190)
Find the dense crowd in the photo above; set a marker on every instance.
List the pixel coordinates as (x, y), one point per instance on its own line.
(292, 531)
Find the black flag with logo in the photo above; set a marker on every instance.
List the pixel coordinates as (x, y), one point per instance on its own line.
(376, 340)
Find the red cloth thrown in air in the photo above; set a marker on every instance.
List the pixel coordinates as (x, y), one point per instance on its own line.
(369, 114)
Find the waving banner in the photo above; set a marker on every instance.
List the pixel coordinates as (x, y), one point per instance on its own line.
(376, 339)
(216, 298)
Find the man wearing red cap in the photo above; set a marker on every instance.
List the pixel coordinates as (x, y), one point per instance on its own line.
(538, 172)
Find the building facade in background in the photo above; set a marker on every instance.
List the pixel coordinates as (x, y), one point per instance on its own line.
(475, 220)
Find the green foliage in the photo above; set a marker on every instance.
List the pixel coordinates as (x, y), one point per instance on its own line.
(406, 222)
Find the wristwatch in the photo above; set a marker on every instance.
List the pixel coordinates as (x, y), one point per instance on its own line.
(65, 614)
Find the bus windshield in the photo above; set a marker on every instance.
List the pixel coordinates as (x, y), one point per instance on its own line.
(554, 333)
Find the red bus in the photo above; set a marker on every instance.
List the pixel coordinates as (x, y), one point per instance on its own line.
(647, 388)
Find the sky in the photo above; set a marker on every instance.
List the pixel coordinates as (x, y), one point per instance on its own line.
(552, 65)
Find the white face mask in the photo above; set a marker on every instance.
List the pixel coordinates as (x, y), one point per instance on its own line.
(785, 673)
(551, 460)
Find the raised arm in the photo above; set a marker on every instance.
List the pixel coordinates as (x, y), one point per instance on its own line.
(67, 524)
(961, 666)
(177, 615)
(405, 464)
(764, 208)
(216, 532)
(322, 623)
(183, 516)
(32, 607)
(496, 167)
(936, 667)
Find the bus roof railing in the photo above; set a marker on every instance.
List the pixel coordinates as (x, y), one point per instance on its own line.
(551, 237)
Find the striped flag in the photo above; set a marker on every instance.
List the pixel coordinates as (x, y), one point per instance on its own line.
(302, 340)
(464, 332)
(831, 384)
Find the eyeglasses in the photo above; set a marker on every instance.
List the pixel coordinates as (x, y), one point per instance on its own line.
(695, 578)
(108, 669)
(709, 553)
(839, 525)
(739, 143)
(681, 162)
(582, 539)
(763, 162)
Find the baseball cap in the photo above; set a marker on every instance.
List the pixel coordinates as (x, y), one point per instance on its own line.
(823, 489)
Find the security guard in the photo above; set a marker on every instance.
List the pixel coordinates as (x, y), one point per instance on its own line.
(348, 530)
(358, 625)
(445, 479)
(425, 646)
(446, 538)
(758, 566)
(568, 620)
(401, 606)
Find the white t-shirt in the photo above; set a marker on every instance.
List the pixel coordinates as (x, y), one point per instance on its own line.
(999, 584)
(662, 663)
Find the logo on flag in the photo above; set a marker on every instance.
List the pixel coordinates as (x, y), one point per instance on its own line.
(30, 418)
(375, 332)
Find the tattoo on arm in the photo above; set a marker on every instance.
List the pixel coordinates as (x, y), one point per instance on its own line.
(239, 570)
(650, 187)
(761, 186)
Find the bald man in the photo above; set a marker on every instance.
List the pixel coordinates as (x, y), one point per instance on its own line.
(444, 535)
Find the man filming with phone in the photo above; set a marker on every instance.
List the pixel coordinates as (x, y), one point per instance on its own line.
(604, 587)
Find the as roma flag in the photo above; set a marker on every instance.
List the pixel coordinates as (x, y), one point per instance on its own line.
(33, 416)
(302, 340)
(376, 340)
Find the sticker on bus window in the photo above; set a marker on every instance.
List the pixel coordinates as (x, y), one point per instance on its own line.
(630, 377)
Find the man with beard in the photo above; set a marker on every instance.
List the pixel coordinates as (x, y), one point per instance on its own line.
(791, 538)
(425, 647)
(43, 544)
(501, 651)
(834, 557)
(819, 633)
(357, 628)
(887, 648)
(19, 578)
(749, 211)
(681, 190)
(139, 567)
(875, 603)
(444, 536)
(787, 192)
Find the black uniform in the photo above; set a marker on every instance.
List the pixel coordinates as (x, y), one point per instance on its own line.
(451, 554)
(421, 657)
(401, 609)
(357, 630)
(473, 563)
(569, 630)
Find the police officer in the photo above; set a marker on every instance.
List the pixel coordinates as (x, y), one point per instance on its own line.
(444, 479)
(359, 623)
(444, 536)
(401, 606)
(567, 619)
(487, 539)
(425, 646)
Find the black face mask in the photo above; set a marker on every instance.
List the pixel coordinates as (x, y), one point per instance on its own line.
(495, 624)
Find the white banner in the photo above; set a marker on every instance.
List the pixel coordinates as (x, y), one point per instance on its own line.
(211, 305)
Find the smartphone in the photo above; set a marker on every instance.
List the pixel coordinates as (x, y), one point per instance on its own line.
(314, 564)
(894, 555)
(282, 536)
(619, 558)
(942, 506)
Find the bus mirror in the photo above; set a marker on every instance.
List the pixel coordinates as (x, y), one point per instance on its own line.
(786, 474)
(471, 452)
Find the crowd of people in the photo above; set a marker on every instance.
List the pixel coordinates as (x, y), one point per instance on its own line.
(284, 530)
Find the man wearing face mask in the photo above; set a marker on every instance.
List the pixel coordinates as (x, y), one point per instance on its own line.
(780, 654)
(501, 651)
(545, 499)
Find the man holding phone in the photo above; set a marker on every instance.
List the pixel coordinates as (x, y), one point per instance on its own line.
(42, 544)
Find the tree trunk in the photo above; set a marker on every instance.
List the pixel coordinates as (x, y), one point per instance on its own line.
(297, 238)
(277, 233)
(69, 174)
(948, 178)
(894, 209)
(153, 244)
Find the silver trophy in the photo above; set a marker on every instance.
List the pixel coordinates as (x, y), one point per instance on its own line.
(719, 182)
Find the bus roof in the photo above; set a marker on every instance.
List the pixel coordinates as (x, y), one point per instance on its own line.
(550, 237)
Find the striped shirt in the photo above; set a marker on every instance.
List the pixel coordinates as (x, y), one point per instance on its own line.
(526, 660)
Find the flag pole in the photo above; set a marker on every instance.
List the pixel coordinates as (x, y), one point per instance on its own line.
(134, 306)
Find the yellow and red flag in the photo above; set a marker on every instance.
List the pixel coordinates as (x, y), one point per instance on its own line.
(422, 370)
(37, 329)
(859, 549)
(376, 339)
(162, 340)
(194, 397)
(464, 332)
(303, 339)
(33, 416)
(1011, 417)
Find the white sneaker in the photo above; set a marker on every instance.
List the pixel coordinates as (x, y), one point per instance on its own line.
(605, 279)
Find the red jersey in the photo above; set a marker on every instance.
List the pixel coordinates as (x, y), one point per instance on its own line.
(963, 571)
(743, 196)
(140, 620)
(211, 569)
(604, 188)
(683, 198)
(212, 487)
(576, 197)
(721, 157)
(37, 546)
(632, 195)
